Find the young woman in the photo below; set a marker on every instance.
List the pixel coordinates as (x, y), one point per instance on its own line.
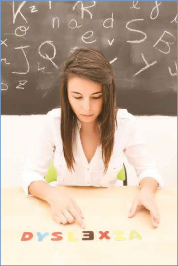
(87, 137)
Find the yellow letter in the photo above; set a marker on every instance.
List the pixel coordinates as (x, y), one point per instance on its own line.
(134, 234)
(119, 235)
(70, 237)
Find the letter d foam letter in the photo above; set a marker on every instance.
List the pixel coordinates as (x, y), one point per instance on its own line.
(26, 236)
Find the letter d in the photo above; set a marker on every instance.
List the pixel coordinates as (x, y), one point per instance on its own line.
(26, 236)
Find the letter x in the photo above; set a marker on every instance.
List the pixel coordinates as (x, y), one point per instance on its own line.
(4, 42)
(104, 234)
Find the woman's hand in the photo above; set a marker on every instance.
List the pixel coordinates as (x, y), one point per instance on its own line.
(146, 198)
(64, 209)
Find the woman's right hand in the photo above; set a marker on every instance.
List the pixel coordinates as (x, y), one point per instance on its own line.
(64, 209)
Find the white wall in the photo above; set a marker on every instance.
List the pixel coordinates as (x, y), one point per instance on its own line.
(160, 133)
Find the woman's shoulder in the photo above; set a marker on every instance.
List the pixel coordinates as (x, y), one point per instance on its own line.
(123, 114)
(55, 113)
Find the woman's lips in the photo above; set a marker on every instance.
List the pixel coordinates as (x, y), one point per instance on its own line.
(87, 115)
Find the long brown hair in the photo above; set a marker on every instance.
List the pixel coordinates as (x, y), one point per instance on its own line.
(90, 64)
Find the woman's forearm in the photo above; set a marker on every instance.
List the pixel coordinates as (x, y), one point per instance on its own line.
(41, 190)
(149, 184)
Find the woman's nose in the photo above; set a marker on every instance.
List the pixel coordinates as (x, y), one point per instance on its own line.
(86, 105)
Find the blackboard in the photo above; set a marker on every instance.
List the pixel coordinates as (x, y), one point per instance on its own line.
(139, 39)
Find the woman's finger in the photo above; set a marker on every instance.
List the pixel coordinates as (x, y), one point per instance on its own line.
(60, 219)
(68, 216)
(134, 207)
(77, 207)
(155, 217)
(77, 216)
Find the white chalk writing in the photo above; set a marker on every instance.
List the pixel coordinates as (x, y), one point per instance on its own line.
(49, 4)
(155, 10)
(23, 30)
(84, 9)
(147, 65)
(75, 26)
(170, 70)
(108, 20)
(4, 87)
(21, 84)
(18, 11)
(50, 43)
(28, 66)
(84, 37)
(166, 42)
(42, 69)
(112, 61)
(134, 5)
(73, 49)
(136, 41)
(110, 43)
(174, 20)
(4, 42)
(5, 61)
(53, 22)
(33, 9)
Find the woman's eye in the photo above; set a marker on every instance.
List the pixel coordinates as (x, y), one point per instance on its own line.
(92, 97)
(96, 97)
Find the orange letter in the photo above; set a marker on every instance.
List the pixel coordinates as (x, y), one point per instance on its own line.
(26, 236)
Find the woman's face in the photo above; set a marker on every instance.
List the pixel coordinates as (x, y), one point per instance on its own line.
(85, 98)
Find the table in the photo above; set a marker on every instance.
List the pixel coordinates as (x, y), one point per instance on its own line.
(105, 209)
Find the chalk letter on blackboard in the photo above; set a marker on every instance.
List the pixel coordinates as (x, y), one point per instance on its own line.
(75, 21)
(21, 83)
(4, 60)
(108, 20)
(170, 71)
(134, 5)
(136, 41)
(46, 56)
(174, 20)
(33, 9)
(42, 69)
(146, 67)
(166, 42)
(84, 9)
(85, 37)
(49, 4)
(28, 66)
(4, 42)
(156, 9)
(112, 61)
(22, 29)
(53, 21)
(4, 87)
(110, 43)
(18, 11)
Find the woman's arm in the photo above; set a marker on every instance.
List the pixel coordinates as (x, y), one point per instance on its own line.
(41, 190)
(149, 184)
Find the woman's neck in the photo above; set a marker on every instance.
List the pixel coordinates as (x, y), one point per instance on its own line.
(89, 127)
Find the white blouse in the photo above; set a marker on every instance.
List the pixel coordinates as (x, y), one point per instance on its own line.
(47, 145)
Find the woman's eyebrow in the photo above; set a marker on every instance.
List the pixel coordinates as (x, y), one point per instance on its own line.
(92, 93)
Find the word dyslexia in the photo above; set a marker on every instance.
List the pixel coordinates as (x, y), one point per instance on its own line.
(87, 235)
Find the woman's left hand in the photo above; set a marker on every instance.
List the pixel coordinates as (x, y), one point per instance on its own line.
(146, 198)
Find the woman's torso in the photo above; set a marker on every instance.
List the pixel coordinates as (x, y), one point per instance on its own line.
(89, 165)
